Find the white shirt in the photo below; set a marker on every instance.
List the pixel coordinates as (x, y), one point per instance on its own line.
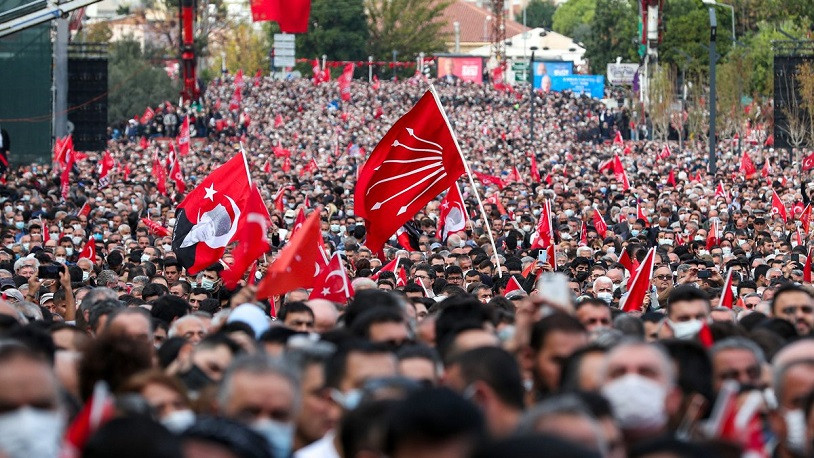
(323, 448)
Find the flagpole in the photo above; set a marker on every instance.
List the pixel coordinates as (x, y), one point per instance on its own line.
(471, 180)
(245, 163)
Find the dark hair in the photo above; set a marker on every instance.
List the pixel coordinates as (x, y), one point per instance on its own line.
(363, 428)
(530, 446)
(365, 299)
(788, 288)
(230, 434)
(102, 308)
(168, 307)
(686, 293)
(694, 367)
(132, 437)
(337, 366)
(555, 322)
(362, 324)
(153, 289)
(495, 367)
(112, 359)
(432, 417)
(294, 307)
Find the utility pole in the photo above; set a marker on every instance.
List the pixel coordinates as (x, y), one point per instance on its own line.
(531, 99)
(713, 108)
(395, 56)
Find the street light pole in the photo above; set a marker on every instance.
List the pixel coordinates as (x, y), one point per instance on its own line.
(531, 99)
(713, 108)
(395, 55)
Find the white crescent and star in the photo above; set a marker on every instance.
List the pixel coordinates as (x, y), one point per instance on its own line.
(210, 192)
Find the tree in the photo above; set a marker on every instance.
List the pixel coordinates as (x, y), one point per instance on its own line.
(337, 28)
(245, 49)
(135, 81)
(407, 26)
(98, 32)
(571, 15)
(697, 110)
(805, 81)
(612, 34)
(539, 13)
(730, 78)
(792, 121)
(661, 97)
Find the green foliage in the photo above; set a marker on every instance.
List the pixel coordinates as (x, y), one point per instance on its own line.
(572, 14)
(759, 46)
(687, 31)
(539, 13)
(337, 28)
(135, 81)
(408, 26)
(613, 34)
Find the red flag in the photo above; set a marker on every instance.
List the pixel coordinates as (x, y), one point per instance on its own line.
(497, 79)
(543, 237)
(317, 70)
(286, 164)
(65, 178)
(98, 410)
(488, 179)
(665, 152)
(713, 236)
(183, 137)
(252, 241)
(599, 224)
(298, 221)
(778, 207)
(414, 162)
(278, 121)
(617, 139)
(640, 214)
(619, 171)
(627, 150)
(209, 216)
(171, 156)
(147, 116)
(344, 82)
(391, 266)
(61, 148)
(297, 265)
(452, 215)
(747, 166)
(512, 285)
(333, 283)
(805, 219)
(84, 210)
(515, 175)
(727, 296)
(178, 177)
(808, 162)
(310, 167)
(89, 250)
(376, 83)
(160, 175)
(720, 191)
(671, 178)
(535, 174)
(807, 268)
(155, 228)
(583, 235)
(237, 97)
(267, 167)
(143, 143)
(640, 286)
(766, 170)
(624, 259)
(494, 199)
(279, 151)
(258, 76)
(291, 15)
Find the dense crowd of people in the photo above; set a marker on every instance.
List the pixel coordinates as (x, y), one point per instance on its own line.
(127, 354)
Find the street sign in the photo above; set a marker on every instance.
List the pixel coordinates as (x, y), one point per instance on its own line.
(622, 74)
(521, 70)
(284, 51)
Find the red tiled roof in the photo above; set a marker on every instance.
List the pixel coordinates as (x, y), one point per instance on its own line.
(471, 19)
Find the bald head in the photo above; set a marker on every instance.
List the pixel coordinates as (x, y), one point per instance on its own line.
(325, 314)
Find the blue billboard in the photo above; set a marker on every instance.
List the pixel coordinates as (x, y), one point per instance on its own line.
(592, 85)
(544, 70)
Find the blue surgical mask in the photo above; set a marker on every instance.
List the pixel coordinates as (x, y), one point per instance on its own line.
(97, 237)
(634, 232)
(207, 284)
(19, 224)
(279, 435)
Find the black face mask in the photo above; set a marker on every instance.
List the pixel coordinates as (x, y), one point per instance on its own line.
(581, 276)
(195, 379)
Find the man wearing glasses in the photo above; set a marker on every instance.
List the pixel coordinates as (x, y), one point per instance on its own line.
(796, 305)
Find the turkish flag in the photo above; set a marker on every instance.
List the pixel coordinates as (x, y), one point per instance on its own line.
(298, 221)
(171, 156)
(617, 139)
(543, 237)
(720, 191)
(286, 165)
(747, 166)
(778, 207)
(252, 239)
(640, 286)
(143, 143)
(713, 236)
(727, 296)
(619, 172)
(155, 228)
(183, 137)
(105, 166)
(452, 217)
(494, 199)
(208, 218)
(89, 250)
(808, 162)
(489, 179)
(178, 177)
(599, 224)
(299, 262)
(805, 219)
(583, 235)
(98, 410)
(535, 174)
(640, 214)
(807, 268)
(624, 259)
(333, 283)
(416, 160)
(61, 147)
(291, 15)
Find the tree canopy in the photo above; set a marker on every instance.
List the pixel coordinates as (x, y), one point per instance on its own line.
(134, 81)
(408, 26)
(539, 13)
(337, 28)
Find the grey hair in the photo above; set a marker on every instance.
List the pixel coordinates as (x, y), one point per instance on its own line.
(666, 362)
(106, 277)
(30, 310)
(175, 324)
(257, 364)
(738, 343)
(564, 404)
(96, 295)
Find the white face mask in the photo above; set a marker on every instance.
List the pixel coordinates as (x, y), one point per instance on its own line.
(665, 242)
(726, 250)
(60, 260)
(605, 296)
(68, 250)
(279, 435)
(685, 329)
(179, 420)
(637, 401)
(795, 430)
(31, 432)
(85, 276)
